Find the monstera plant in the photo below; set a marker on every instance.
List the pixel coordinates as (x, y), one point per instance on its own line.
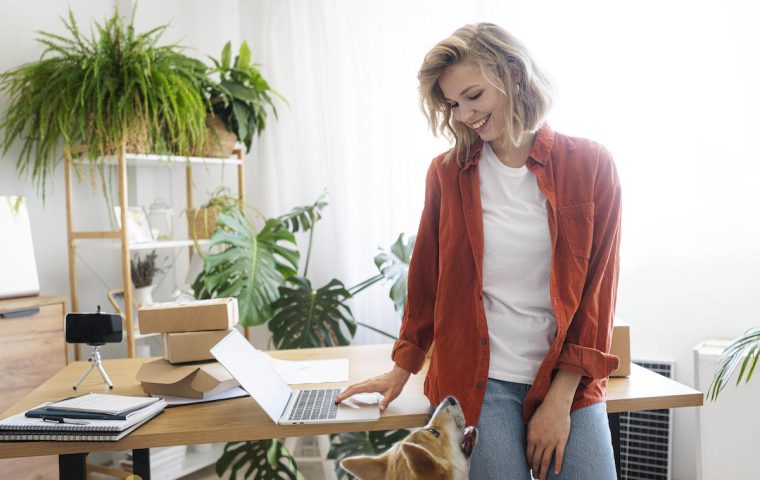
(261, 270)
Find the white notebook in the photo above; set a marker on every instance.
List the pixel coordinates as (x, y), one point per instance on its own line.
(103, 403)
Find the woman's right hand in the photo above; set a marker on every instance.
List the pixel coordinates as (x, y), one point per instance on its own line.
(388, 384)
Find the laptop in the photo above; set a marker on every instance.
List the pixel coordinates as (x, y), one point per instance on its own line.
(284, 405)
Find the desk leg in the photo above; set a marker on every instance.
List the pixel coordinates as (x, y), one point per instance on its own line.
(71, 466)
(141, 462)
(614, 419)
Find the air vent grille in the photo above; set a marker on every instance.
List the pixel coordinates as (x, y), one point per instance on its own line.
(645, 437)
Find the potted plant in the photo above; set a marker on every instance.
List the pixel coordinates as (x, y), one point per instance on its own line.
(261, 270)
(116, 86)
(241, 96)
(202, 220)
(143, 270)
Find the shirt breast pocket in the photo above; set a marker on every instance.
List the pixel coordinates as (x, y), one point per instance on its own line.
(578, 227)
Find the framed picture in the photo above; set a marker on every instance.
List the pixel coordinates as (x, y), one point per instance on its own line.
(138, 228)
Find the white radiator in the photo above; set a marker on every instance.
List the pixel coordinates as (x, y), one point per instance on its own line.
(728, 428)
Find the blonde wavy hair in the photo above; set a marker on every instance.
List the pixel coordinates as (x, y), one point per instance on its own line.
(506, 63)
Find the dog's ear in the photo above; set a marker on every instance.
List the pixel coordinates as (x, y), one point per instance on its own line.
(420, 459)
(365, 467)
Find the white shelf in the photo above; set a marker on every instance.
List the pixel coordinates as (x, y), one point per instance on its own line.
(155, 160)
(157, 245)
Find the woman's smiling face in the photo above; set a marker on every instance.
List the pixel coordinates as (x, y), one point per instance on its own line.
(474, 100)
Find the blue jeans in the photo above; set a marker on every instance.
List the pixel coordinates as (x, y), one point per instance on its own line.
(500, 453)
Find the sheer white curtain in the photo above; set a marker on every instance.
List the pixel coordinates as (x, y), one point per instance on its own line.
(669, 87)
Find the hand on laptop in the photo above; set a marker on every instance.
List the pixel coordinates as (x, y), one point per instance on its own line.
(389, 385)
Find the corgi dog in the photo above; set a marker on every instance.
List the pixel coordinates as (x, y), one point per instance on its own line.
(439, 450)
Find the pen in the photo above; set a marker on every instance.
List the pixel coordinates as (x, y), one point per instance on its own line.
(64, 420)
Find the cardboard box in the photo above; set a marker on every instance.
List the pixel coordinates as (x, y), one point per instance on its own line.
(214, 314)
(191, 346)
(199, 380)
(621, 347)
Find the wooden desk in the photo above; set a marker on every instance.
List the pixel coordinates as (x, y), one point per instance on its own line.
(242, 419)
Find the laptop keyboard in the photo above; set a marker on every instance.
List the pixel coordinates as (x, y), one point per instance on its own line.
(317, 404)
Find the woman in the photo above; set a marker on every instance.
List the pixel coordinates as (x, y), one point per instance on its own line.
(515, 268)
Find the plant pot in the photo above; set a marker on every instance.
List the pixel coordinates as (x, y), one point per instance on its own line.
(144, 295)
(219, 141)
(202, 222)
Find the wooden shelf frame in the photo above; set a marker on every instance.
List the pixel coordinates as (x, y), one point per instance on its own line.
(118, 238)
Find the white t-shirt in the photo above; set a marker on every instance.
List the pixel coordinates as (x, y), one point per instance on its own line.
(516, 264)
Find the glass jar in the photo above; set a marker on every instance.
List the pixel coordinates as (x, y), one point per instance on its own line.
(161, 219)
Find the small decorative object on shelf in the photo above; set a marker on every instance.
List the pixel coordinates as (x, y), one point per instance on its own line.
(138, 227)
(143, 271)
(161, 219)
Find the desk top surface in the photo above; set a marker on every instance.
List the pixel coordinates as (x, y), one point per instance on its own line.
(242, 419)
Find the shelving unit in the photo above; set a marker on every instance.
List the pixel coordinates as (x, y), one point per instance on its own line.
(119, 238)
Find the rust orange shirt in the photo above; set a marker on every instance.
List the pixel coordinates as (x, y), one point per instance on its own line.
(444, 302)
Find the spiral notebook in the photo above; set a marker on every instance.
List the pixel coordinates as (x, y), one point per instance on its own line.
(19, 427)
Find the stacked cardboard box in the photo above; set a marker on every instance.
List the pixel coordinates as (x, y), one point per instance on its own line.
(621, 347)
(188, 331)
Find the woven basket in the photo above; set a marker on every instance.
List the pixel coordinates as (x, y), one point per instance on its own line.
(219, 141)
(202, 222)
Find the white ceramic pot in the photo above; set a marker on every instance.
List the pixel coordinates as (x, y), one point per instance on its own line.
(144, 295)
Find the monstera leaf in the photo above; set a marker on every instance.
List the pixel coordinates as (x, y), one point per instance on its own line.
(394, 266)
(307, 318)
(249, 266)
(262, 459)
(301, 219)
(351, 444)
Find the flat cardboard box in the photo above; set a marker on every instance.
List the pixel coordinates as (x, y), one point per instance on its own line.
(621, 347)
(213, 314)
(199, 380)
(191, 346)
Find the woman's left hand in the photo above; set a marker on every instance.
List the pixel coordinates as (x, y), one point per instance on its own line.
(548, 431)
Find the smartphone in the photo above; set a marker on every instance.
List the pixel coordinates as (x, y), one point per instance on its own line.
(94, 328)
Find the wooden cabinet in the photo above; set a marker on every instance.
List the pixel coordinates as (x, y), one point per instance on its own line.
(32, 349)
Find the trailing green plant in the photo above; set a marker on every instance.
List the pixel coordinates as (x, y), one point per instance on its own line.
(242, 95)
(745, 350)
(115, 86)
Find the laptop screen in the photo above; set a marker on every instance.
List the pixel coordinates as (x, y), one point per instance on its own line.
(251, 368)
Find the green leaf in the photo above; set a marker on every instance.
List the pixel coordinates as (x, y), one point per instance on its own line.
(745, 349)
(243, 59)
(308, 318)
(302, 219)
(351, 444)
(394, 266)
(264, 459)
(226, 56)
(247, 266)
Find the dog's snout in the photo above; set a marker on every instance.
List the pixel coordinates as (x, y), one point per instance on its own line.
(451, 401)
